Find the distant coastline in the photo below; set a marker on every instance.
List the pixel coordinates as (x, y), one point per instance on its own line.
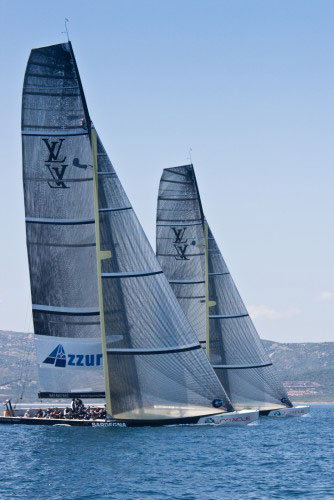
(312, 403)
(307, 369)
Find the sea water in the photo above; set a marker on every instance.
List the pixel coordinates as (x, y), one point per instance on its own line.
(276, 458)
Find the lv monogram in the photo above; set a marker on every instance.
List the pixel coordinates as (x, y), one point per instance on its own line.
(179, 233)
(180, 244)
(57, 171)
(181, 252)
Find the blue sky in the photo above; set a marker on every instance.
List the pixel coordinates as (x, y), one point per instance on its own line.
(248, 85)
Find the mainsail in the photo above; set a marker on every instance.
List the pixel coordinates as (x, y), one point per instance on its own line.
(92, 269)
(202, 283)
(59, 208)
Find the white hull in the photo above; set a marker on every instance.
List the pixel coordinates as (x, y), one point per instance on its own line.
(242, 417)
(295, 411)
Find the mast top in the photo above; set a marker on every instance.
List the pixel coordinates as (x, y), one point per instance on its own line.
(66, 30)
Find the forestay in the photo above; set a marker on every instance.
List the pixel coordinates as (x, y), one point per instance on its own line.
(216, 311)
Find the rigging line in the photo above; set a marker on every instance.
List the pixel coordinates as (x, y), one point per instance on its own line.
(66, 30)
(22, 362)
(27, 350)
(22, 358)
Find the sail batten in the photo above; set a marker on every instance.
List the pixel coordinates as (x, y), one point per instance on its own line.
(240, 367)
(227, 316)
(74, 311)
(161, 350)
(62, 132)
(130, 274)
(71, 222)
(114, 209)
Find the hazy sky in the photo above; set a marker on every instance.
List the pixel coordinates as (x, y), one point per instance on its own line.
(248, 85)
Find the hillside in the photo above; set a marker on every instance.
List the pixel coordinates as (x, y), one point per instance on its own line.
(307, 369)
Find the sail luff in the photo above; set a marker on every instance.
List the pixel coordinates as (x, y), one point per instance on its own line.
(100, 255)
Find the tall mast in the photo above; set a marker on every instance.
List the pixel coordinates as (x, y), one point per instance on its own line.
(100, 255)
(207, 303)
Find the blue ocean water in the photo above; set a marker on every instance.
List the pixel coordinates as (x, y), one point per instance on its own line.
(278, 458)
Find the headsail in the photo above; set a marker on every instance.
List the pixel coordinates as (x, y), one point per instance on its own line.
(208, 296)
(59, 208)
(154, 366)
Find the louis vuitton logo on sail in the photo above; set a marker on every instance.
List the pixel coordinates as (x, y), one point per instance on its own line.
(55, 163)
(180, 243)
(179, 233)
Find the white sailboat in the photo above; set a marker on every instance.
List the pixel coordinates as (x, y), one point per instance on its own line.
(202, 283)
(107, 324)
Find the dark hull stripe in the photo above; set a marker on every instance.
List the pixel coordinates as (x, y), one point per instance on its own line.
(103, 423)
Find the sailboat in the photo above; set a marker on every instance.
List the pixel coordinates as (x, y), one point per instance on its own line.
(191, 260)
(107, 324)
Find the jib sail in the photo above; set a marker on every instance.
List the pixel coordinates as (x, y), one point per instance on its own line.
(202, 283)
(156, 368)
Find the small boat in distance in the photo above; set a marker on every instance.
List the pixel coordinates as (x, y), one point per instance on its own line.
(107, 324)
(191, 260)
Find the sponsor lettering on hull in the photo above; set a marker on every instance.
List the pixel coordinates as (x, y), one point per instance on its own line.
(296, 411)
(109, 424)
(233, 418)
